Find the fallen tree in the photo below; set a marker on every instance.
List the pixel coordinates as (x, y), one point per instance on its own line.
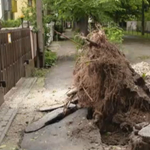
(105, 82)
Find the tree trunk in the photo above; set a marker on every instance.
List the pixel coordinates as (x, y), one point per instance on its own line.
(83, 25)
(40, 33)
(74, 28)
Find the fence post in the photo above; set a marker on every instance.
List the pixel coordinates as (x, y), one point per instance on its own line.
(40, 54)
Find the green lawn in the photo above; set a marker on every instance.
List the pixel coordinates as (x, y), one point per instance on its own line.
(135, 33)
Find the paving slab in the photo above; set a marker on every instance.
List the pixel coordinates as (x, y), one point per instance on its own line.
(72, 133)
(42, 122)
(145, 132)
(50, 118)
(60, 77)
(64, 49)
(13, 100)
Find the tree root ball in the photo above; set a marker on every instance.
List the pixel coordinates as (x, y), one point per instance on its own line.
(105, 82)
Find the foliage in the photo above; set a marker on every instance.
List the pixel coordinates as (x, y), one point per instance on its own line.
(76, 10)
(114, 34)
(131, 10)
(78, 40)
(50, 58)
(30, 15)
(144, 76)
(58, 27)
(11, 23)
(147, 15)
(102, 11)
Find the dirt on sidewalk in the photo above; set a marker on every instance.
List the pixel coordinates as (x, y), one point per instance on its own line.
(47, 91)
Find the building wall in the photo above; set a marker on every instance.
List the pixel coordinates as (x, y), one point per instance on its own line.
(5, 10)
(1, 10)
(16, 11)
(21, 4)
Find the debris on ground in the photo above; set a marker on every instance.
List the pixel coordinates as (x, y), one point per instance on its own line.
(142, 68)
(74, 132)
(50, 118)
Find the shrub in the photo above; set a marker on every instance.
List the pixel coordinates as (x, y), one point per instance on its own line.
(78, 40)
(50, 58)
(114, 34)
(58, 27)
(11, 23)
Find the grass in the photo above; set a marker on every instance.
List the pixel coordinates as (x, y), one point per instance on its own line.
(40, 73)
(138, 34)
(144, 57)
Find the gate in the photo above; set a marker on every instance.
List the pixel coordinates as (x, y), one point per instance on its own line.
(15, 51)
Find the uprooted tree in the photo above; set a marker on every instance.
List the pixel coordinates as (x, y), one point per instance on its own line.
(105, 82)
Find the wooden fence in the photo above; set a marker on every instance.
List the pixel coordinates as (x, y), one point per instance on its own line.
(15, 51)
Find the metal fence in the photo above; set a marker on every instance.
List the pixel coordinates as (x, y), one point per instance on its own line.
(15, 51)
(135, 28)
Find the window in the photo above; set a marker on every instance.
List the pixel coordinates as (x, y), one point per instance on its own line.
(30, 3)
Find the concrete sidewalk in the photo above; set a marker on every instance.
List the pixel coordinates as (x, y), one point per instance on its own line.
(136, 49)
(32, 94)
(64, 49)
(13, 100)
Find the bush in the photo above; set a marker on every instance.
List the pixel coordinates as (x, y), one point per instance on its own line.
(46, 32)
(50, 58)
(58, 27)
(78, 40)
(114, 34)
(11, 23)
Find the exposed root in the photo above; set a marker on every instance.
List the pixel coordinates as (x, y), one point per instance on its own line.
(72, 92)
(106, 82)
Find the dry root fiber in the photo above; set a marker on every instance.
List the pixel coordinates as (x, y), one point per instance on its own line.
(106, 82)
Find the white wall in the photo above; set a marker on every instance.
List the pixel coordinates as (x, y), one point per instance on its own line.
(134, 25)
(51, 33)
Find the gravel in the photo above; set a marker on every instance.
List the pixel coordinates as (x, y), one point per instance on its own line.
(143, 69)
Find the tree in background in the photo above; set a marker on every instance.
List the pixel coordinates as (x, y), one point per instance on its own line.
(132, 10)
(81, 10)
(100, 11)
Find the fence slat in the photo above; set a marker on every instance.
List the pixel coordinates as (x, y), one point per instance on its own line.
(13, 55)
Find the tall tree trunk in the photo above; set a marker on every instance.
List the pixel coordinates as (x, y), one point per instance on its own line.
(74, 28)
(81, 25)
(143, 18)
